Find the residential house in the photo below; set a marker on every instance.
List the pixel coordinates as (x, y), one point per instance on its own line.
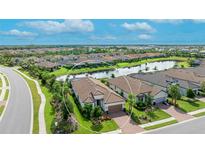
(92, 91)
(126, 85)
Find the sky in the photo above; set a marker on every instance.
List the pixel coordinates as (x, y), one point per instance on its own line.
(101, 31)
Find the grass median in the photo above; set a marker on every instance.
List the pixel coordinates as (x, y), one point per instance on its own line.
(160, 125)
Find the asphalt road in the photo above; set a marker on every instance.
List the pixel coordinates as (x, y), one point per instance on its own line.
(17, 116)
(196, 126)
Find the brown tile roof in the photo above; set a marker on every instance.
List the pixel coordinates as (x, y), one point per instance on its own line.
(184, 74)
(135, 86)
(87, 88)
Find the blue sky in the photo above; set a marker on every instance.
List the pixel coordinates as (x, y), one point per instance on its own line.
(26, 32)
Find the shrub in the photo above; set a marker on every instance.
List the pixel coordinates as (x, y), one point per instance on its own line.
(86, 110)
(190, 93)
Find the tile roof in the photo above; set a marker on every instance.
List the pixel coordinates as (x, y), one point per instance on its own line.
(87, 88)
(135, 86)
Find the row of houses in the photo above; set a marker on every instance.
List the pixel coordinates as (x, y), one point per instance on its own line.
(112, 97)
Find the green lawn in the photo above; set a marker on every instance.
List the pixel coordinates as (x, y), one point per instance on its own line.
(0, 83)
(161, 125)
(7, 82)
(200, 114)
(155, 115)
(6, 95)
(49, 112)
(183, 64)
(1, 109)
(85, 126)
(64, 71)
(36, 103)
(187, 105)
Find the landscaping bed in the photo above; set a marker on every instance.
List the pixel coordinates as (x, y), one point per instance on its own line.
(142, 117)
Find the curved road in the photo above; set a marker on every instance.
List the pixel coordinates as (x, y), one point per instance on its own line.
(17, 118)
(194, 126)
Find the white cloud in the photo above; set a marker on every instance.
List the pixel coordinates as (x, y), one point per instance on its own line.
(171, 21)
(51, 27)
(198, 20)
(144, 37)
(142, 26)
(19, 33)
(106, 37)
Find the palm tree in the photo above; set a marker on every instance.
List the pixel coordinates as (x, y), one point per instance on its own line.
(174, 92)
(131, 101)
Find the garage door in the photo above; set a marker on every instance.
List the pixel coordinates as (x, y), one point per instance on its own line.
(115, 108)
(160, 100)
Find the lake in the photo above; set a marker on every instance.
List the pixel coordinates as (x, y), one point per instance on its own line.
(148, 67)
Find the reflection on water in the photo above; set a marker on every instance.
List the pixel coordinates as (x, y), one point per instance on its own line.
(148, 67)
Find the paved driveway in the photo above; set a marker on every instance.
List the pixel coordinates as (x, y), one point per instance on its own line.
(126, 124)
(175, 112)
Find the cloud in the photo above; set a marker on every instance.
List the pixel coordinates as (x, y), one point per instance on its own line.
(141, 26)
(171, 21)
(198, 20)
(51, 27)
(106, 37)
(15, 32)
(144, 37)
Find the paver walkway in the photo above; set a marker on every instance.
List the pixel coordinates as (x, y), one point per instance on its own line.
(126, 124)
(175, 112)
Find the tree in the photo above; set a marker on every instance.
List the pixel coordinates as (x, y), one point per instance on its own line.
(148, 101)
(131, 101)
(203, 86)
(174, 92)
(87, 109)
(96, 113)
(190, 93)
(113, 76)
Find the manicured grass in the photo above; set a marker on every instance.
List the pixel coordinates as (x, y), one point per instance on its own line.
(64, 71)
(49, 112)
(183, 64)
(1, 109)
(85, 126)
(0, 83)
(155, 115)
(36, 103)
(188, 105)
(200, 114)
(7, 82)
(6, 95)
(161, 125)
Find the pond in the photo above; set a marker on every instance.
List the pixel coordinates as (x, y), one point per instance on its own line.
(148, 67)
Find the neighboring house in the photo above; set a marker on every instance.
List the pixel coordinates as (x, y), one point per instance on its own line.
(183, 77)
(48, 65)
(126, 85)
(90, 90)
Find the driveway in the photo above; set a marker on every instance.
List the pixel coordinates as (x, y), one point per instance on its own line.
(175, 112)
(126, 124)
(17, 118)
